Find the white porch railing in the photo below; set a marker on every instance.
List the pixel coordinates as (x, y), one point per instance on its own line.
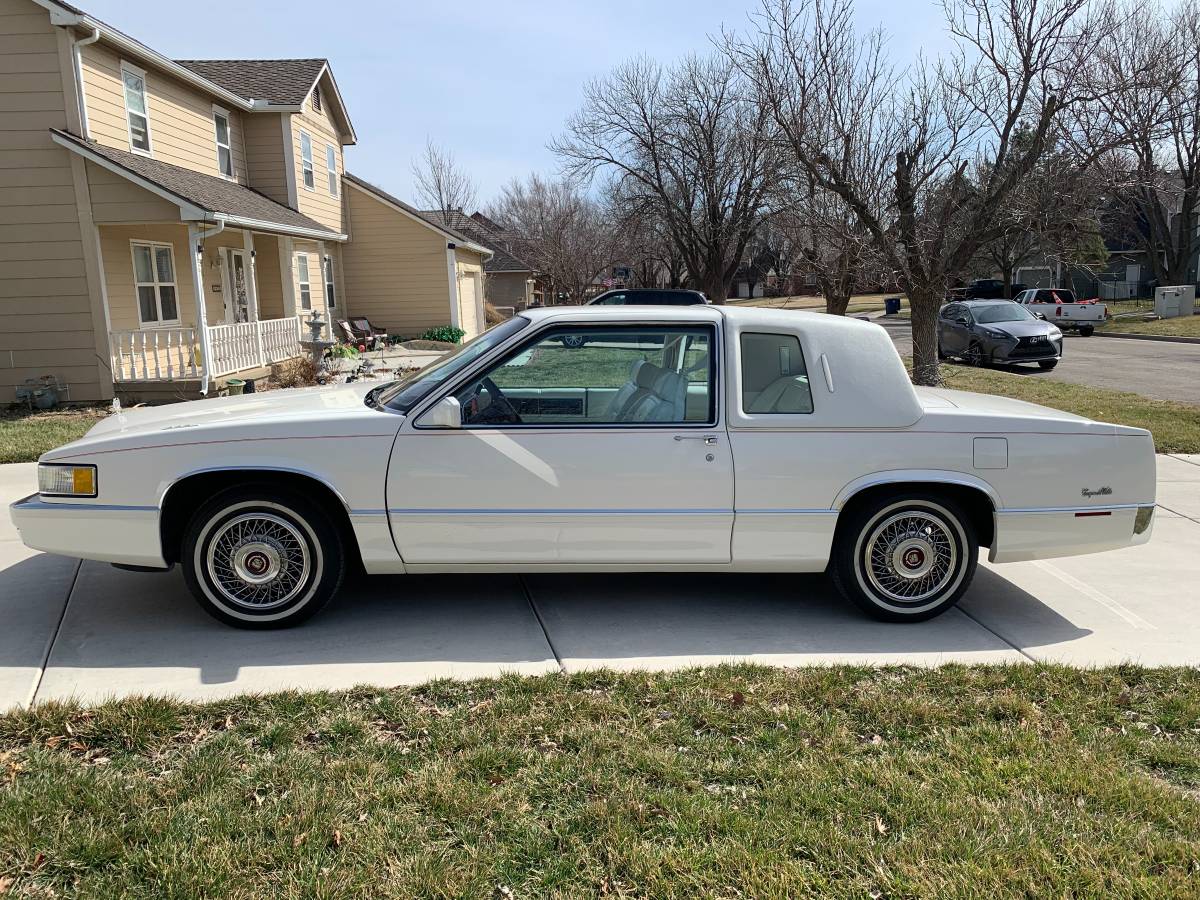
(249, 345)
(165, 354)
(159, 354)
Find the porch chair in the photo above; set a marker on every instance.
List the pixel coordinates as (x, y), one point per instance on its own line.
(367, 333)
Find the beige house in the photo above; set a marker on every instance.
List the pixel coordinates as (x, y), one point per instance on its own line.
(167, 224)
(406, 272)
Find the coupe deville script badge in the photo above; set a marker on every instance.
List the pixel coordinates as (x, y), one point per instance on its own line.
(1098, 492)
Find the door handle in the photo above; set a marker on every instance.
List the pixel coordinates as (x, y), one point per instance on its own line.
(707, 438)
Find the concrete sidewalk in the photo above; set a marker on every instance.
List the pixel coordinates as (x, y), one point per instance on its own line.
(92, 632)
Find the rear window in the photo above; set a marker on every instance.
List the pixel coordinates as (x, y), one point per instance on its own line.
(774, 376)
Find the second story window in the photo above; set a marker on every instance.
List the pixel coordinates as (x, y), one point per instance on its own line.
(224, 144)
(136, 109)
(306, 161)
(331, 168)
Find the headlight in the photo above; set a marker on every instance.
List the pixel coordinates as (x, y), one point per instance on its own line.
(1055, 334)
(66, 480)
(996, 333)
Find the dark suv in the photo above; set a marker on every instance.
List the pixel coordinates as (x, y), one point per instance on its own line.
(648, 297)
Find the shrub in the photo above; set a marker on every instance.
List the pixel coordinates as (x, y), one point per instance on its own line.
(446, 333)
(298, 372)
(342, 351)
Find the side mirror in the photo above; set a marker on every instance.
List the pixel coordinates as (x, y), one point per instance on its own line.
(1041, 316)
(446, 413)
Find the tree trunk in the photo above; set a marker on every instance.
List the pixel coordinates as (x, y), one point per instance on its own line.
(716, 288)
(836, 301)
(924, 304)
(1007, 276)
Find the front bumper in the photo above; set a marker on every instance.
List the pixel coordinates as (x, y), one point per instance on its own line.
(1012, 352)
(118, 534)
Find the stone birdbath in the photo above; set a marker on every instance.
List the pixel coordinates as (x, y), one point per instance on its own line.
(317, 345)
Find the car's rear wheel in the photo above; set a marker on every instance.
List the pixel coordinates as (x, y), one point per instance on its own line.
(905, 558)
(1047, 363)
(262, 557)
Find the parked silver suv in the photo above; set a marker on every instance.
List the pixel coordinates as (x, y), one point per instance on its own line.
(980, 332)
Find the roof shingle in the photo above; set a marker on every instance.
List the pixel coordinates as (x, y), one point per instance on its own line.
(208, 192)
(282, 81)
(503, 259)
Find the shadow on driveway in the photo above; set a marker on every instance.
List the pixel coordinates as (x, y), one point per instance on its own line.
(131, 633)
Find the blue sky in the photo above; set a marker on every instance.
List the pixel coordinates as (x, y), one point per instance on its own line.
(491, 81)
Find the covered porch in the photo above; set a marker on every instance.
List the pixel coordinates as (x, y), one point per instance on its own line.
(203, 278)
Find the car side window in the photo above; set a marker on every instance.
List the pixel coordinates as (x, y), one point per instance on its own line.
(774, 376)
(599, 375)
(613, 300)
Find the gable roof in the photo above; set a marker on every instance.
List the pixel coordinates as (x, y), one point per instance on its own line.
(503, 259)
(282, 81)
(199, 195)
(414, 213)
(279, 78)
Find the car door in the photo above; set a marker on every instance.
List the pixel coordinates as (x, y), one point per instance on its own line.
(953, 332)
(586, 444)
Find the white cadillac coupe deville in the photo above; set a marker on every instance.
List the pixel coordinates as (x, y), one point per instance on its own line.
(601, 439)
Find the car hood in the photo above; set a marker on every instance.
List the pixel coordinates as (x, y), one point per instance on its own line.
(1021, 329)
(179, 422)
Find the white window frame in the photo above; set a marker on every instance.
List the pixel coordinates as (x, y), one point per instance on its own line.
(140, 73)
(308, 175)
(231, 175)
(331, 168)
(156, 284)
(303, 276)
(330, 284)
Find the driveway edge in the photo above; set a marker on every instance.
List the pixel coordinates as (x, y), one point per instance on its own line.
(1127, 335)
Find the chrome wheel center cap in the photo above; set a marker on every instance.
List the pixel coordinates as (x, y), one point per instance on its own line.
(256, 562)
(913, 558)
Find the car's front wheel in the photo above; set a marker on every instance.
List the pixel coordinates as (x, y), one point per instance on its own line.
(262, 557)
(905, 558)
(1087, 330)
(974, 355)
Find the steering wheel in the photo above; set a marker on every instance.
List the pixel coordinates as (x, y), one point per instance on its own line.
(499, 410)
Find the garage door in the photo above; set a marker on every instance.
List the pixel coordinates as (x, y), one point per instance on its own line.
(468, 315)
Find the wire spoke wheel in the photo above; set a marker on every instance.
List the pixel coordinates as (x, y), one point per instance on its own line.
(910, 557)
(258, 561)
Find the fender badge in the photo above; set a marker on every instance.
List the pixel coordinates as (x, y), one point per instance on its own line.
(1098, 492)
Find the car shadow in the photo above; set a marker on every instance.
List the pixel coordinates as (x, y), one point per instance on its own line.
(410, 629)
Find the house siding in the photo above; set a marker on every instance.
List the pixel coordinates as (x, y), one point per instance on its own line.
(266, 161)
(46, 315)
(507, 288)
(317, 203)
(182, 132)
(395, 268)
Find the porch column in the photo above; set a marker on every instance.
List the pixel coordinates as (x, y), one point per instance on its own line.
(197, 250)
(252, 287)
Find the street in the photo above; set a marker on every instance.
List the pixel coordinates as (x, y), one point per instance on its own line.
(89, 631)
(1161, 370)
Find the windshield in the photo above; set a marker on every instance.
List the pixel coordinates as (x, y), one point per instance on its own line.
(1001, 312)
(406, 393)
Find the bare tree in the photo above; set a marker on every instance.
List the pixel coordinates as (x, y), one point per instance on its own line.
(562, 232)
(1147, 103)
(842, 109)
(689, 142)
(440, 183)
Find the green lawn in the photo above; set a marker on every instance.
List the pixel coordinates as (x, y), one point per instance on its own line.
(25, 436)
(1180, 326)
(1024, 781)
(1175, 426)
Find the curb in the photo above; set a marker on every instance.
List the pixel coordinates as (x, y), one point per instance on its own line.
(1171, 339)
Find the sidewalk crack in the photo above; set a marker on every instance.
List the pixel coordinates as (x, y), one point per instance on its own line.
(37, 684)
(537, 614)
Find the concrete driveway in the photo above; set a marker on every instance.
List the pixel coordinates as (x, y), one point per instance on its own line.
(1162, 370)
(89, 631)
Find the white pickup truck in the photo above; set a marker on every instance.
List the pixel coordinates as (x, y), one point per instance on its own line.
(1059, 306)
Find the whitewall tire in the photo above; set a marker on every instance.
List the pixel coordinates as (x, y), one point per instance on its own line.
(905, 558)
(262, 557)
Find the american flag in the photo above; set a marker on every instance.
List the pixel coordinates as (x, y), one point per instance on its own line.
(608, 282)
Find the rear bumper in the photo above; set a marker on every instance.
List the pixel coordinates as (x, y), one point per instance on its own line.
(1046, 534)
(104, 532)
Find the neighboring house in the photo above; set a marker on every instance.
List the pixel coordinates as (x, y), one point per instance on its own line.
(406, 271)
(165, 224)
(510, 280)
